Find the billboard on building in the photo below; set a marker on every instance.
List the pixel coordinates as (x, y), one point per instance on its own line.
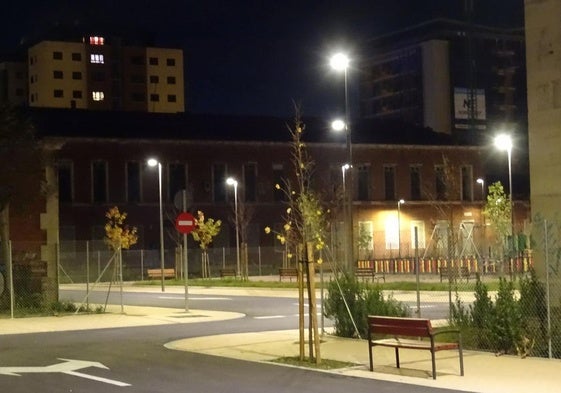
(464, 103)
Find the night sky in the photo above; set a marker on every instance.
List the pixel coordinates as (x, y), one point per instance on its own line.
(252, 57)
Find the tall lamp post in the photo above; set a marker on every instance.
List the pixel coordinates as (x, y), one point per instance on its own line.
(233, 182)
(504, 142)
(340, 62)
(399, 203)
(482, 183)
(153, 162)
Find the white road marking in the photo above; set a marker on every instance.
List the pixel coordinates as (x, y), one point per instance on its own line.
(271, 317)
(193, 298)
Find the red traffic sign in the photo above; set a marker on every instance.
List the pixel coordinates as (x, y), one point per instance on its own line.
(185, 223)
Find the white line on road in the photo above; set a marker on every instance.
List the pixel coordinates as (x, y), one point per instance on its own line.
(270, 317)
(194, 298)
(99, 379)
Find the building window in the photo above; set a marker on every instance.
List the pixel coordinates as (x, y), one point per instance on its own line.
(31, 79)
(76, 57)
(97, 58)
(32, 97)
(365, 239)
(415, 182)
(57, 74)
(76, 75)
(137, 78)
(440, 180)
(65, 177)
(420, 225)
(138, 97)
(389, 182)
(219, 182)
(19, 75)
(171, 80)
(31, 60)
(77, 94)
(154, 97)
(19, 92)
(177, 179)
(154, 79)
(467, 182)
(250, 182)
(170, 62)
(58, 93)
(95, 40)
(137, 60)
(57, 55)
(153, 61)
(278, 179)
(172, 98)
(98, 96)
(363, 183)
(133, 182)
(99, 181)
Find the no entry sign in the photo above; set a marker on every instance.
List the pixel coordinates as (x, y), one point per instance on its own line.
(185, 223)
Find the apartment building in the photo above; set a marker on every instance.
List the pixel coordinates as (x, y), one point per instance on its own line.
(447, 75)
(98, 74)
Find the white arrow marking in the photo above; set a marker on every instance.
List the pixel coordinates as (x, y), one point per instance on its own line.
(185, 223)
(68, 366)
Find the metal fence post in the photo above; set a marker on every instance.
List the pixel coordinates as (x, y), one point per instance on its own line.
(11, 279)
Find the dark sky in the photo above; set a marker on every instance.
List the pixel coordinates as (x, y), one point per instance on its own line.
(253, 57)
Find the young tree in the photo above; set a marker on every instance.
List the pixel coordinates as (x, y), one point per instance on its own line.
(204, 233)
(118, 235)
(305, 225)
(498, 211)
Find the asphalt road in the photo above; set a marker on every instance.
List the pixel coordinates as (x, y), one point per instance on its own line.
(135, 360)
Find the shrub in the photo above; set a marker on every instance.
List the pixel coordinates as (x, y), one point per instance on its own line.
(362, 299)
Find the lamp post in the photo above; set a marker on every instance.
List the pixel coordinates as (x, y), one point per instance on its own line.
(340, 62)
(482, 183)
(233, 182)
(344, 168)
(399, 203)
(153, 162)
(504, 142)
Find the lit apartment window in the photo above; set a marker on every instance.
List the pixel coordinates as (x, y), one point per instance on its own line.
(171, 80)
(58, 93)
(172, 98)
(57, 55)
(154, 79)
(76, 57)
(57, 74)
(76, 75)
(96, 58)
(153, 61)
(154, 97)
(98, 96)
(97, 40)
(170, 62)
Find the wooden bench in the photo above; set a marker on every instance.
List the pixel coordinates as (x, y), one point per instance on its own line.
(157, 273)
(454, 273)
(410, 327)
(227, 272)
(287, 272)
(368, 272)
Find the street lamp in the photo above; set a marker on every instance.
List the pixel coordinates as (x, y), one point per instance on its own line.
(340, 62)
(233, 182)
(482, 183)
(399, 203)
(154, 162)
(504, 142)
(344, 168)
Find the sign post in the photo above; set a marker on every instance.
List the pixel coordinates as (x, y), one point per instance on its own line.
(185, 223)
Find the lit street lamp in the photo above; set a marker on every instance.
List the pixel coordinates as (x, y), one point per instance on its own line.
(340, 62)
(344, 168)
(233, 182)
(482, 183)
(504, 142)
(399, 203)
(153, 162)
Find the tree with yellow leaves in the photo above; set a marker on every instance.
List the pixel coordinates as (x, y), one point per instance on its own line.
(204, 233)
(118, 235)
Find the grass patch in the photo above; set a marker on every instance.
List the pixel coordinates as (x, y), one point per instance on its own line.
(326, 364)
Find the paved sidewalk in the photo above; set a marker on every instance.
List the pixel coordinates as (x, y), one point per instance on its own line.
(484, 372)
